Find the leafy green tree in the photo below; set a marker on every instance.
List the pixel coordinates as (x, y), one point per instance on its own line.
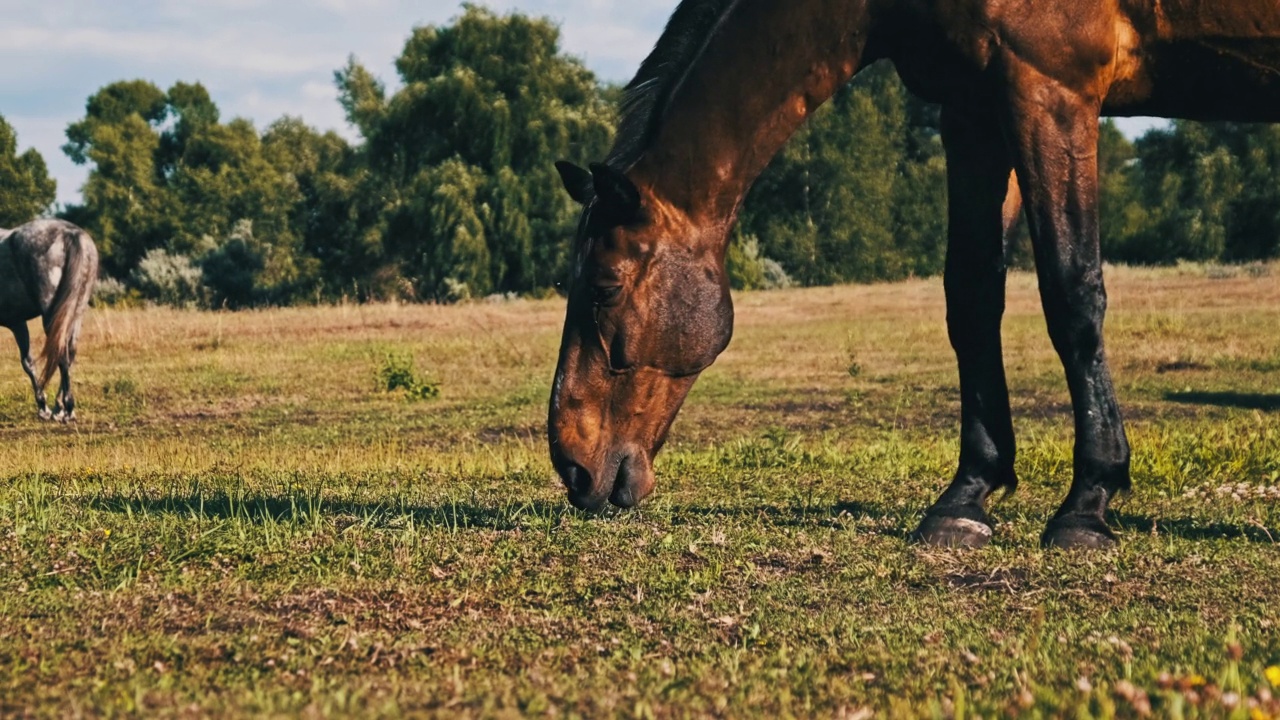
(440, 231)
(1121, 214)
(127, 206)
(337, 209)
(467, 149)
(859, 192)
(26, 189)
(1199, 191)
(1253, 232)
(168, 175)
(1179, 206)
(920, 188)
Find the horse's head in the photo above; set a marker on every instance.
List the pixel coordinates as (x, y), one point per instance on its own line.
(649, 310)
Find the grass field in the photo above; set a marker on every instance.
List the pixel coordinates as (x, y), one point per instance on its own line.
(242, 523)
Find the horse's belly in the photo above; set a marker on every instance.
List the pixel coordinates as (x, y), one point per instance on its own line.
(16, 304)
(1203, 79)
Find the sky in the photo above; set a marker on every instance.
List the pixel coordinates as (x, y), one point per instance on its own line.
(259, 59)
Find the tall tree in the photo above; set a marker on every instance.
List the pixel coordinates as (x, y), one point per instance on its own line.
(127, 206)
(467, 148)
(26, 189)
(1253, 232)
(1179, 206)
(859, 192)
(1121, 215)
(336, 211)
(168, 175)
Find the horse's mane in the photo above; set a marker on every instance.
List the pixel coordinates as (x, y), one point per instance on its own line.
(647, 96)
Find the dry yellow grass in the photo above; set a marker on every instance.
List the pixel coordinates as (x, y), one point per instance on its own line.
(200, 388)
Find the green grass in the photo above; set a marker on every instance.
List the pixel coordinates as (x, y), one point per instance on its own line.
(244, 522)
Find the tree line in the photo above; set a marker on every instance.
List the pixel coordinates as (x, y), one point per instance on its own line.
(451, 192)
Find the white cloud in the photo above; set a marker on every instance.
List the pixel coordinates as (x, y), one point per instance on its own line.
(220, 51)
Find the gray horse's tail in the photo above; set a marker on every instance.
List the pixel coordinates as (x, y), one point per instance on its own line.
(69, 302)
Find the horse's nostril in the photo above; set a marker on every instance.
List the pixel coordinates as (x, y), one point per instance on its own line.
(575, 478)
(634, 481)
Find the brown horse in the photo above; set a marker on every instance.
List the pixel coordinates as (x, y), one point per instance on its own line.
(1021, 83)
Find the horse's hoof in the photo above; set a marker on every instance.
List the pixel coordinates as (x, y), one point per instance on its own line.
(1074, 532)
(954, 532)
(44, 415)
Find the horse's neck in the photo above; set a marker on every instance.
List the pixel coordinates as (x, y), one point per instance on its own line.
(769, 65)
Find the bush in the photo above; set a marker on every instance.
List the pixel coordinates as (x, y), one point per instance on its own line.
(455, 291)
(749, 270)
(852, 366)
(775, 277)
(230, 272)
(397, 373)
(169, 279)
(232, 269)
(110, 292)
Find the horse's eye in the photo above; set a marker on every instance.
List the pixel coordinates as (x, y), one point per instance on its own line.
(604, 295)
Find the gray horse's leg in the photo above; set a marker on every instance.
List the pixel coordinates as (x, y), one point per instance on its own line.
(65, 409)
(23, 336)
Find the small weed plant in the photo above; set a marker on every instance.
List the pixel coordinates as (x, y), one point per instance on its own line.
(852, 366)
(397, 372)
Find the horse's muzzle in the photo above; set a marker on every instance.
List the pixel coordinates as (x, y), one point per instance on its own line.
(624, 479)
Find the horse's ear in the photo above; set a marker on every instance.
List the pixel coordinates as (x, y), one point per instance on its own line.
(617, 196)
(576, 180)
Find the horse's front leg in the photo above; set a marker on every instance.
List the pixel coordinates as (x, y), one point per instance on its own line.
(978, 168)
(1054, 132)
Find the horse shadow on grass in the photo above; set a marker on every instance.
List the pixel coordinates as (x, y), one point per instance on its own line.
(1267, 402)
(899, 522)
(265, 509)
(1193, 529)
(886, 521)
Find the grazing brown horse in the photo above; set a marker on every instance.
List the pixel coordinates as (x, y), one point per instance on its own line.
(47, 270)
(1021, 83)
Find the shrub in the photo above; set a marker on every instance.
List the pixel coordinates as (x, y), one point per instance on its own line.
(169, 279)
(775, 277)
(231, 269)
(750, 270)
(852, 366)
(110, 292)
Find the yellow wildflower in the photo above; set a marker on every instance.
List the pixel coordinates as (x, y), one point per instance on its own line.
(1273, 675)
(106, 533)
(1258, 714)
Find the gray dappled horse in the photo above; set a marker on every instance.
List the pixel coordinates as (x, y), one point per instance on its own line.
(47, 270)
